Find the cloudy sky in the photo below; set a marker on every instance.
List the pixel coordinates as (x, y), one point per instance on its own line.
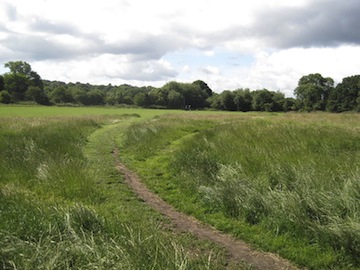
(229, 44)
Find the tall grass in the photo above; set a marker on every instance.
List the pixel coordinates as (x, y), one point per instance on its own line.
(63, 206)
(36, 236)
(48, 156)
(291, 178)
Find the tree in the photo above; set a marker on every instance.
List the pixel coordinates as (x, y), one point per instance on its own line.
(344, 97)
(16, 84)
(80, 96)
(243, 100)
(204, 87)
(5, 97)
(36, 94)
(20, 78)
(313, 91)
(289, 104)
(2, 84)
(35, 80)
(193, 94)
(263, 100)
(61, 95)
(18, 67)
(175, 100)
(141, 99)
(278, 101)
(112, 97)
(95, 97)
(215, 101)
(123, 94)
(158, 96)
(228, 101)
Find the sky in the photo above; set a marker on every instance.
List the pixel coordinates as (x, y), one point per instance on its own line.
(229, 44)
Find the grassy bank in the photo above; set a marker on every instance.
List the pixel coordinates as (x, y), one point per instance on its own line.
(288, 183)
(64, 206)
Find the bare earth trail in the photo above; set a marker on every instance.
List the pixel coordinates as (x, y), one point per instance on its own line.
(238, 250)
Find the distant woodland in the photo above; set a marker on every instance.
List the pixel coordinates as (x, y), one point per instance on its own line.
(313, 93)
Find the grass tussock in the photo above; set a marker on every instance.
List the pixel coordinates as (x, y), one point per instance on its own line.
(36, 236)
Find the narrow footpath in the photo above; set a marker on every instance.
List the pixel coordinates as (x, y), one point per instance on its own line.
(237, 249)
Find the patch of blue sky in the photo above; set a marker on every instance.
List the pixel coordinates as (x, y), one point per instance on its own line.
(219, 58)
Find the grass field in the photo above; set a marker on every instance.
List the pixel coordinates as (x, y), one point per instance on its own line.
(54, 111)
(286, 183)
(63, 205)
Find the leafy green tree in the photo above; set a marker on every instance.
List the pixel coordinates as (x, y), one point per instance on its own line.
(61, 95)
(123, 94)
(95, 97)
(5, 97)
(228, 101)
(278, 101)
(193, 94)
(2, 84)
(16, 84)
(345, 96)
(204, 87)
(35, 80)
(20, 78)
(175, 100)
(18, 67)
(243, 100)
(263, 100)
(158, 97)
(313, 91)
(36, 94)
(111, 97)
(141, 100)
(80, 96)
(176, 86)
(289, 104)
(173, 91)
(215, 101)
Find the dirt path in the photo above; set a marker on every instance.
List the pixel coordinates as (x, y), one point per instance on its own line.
(238, 250)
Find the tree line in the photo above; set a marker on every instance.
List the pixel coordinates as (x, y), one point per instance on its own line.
(313, 93)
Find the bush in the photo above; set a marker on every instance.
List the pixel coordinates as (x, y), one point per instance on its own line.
(5, 97)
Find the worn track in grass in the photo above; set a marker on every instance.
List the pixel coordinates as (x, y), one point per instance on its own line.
(237, 249)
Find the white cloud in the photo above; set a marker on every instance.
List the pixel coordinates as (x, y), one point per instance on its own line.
(281, 70)
(106, 69)
(229, 44)
(210, 70)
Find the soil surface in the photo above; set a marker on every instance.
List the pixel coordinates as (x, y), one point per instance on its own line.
(238, 250)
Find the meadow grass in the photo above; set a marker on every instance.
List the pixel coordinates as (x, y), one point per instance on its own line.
(63, 205)
(62, 111)
(288, 183)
